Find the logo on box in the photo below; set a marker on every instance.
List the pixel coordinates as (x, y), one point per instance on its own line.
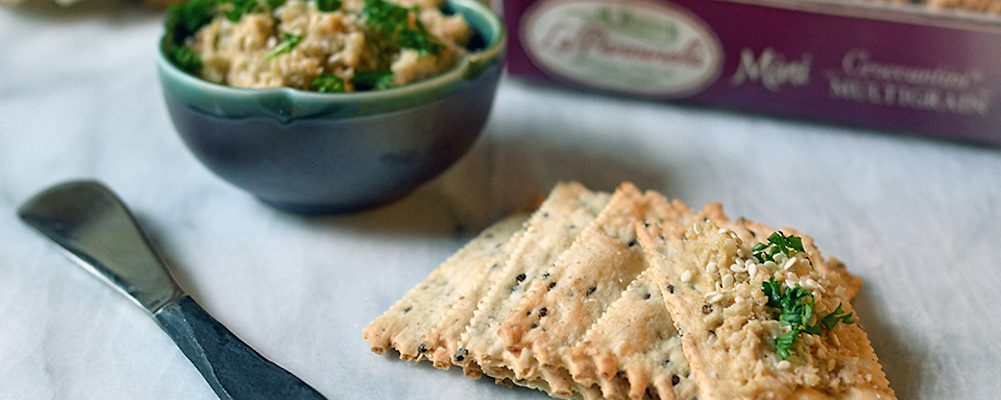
(630, 46)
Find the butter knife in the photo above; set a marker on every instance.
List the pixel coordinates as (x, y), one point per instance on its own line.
(98, 232)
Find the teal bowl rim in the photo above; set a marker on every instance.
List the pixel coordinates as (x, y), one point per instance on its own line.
(289, 103)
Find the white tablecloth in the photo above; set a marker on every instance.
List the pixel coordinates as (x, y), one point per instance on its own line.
(919, 220)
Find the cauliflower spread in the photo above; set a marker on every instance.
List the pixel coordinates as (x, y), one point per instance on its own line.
(321, 45)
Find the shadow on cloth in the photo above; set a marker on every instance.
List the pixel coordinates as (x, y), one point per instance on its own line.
(896, 353)
(499, 176)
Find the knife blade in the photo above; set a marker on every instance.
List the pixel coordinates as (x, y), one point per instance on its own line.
(96, 230)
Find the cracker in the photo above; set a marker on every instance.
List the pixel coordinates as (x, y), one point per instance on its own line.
(728, 331)
(585, 280)
(404, 324)
(442, 340)
(636, 335)
(549, 232)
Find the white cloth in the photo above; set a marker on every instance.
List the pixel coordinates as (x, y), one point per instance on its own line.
(919, 220)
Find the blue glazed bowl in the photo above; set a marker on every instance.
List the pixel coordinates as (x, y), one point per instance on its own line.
(339, 152)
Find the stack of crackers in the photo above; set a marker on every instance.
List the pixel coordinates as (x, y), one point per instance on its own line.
(631, 295)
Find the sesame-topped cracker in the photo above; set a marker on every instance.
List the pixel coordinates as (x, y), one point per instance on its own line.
(549, 232)
(585, 280)
(636, 335)
(404, 324)
(759, 318)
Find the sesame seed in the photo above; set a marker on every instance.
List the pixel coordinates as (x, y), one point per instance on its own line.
(721, 231)
(780, 258)
(710, 267)
(716, 298)
(789, 263)
(752, 270)
(738, 299)
(740, 252)
(727, 281)
(710, 294)
(769, 264)
(790, 283)
(812, 284)
(686, 276)
(737, 268)
(785, 365)
(738, 260)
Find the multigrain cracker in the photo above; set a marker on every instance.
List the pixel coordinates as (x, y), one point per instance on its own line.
(712, 285)
(556, 303)
(636, 335)
(585, 280)
(404, 324)
(442, 340)
(548, 233)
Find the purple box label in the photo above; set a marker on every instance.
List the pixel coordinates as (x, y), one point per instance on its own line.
(914, 75)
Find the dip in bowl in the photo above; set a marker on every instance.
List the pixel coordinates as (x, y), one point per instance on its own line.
(344, 142)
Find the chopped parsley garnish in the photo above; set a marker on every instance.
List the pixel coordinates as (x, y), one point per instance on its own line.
(327, 83)
(185, 58)
(795, 307)
(291, 40)
(839, 315)
(777, 243)
(367, 80)
(396, 25)
(236, 9)
(183, 20)
(328, 5)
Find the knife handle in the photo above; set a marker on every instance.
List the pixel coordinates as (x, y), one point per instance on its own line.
(232, 369)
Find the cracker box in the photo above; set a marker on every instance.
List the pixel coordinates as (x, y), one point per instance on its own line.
(907, 68)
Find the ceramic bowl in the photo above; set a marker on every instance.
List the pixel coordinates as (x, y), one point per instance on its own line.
(340, 152)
